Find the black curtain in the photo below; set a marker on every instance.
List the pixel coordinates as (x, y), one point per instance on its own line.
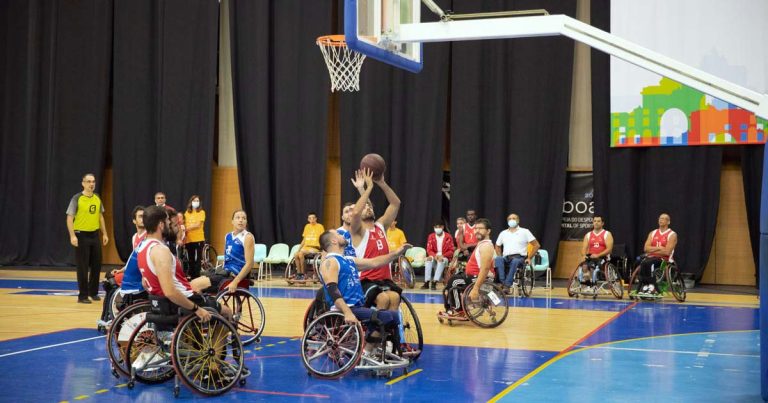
(634, 186)
(752, 171)
(510, 111)
(163, 105)
(401, 116)
(281, 112)
(54, 75)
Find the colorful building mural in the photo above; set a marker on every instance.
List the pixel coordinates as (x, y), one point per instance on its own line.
(672, 114)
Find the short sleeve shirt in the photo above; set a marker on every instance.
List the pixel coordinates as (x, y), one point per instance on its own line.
(312, 234)
(87, 210)
(515, 243)
(395, 238)
(194, 217)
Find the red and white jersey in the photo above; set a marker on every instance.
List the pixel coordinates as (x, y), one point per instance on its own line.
(597, 242)
(660, 239)
(137, 238)
(473, 264)
(149, 272)
(469, 234)
(373, 244)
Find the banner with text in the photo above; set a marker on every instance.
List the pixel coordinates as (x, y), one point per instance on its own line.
(578, 206)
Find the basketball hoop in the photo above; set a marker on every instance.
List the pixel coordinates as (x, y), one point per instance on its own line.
(344, 64)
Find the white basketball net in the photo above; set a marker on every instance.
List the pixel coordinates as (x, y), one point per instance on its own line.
(343, 64)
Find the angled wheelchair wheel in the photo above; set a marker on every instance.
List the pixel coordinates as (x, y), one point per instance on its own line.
(406, 272)
(491, 308)
(676, 283)
(526, 283)
(315, 309)
(209, 257)
(614, 280)
(115, 300)
(119, 334)
(248, 311)
(574, 285)
(414, 338)
(330, 347)
(208, 357)
(149, 357)
(634, 283)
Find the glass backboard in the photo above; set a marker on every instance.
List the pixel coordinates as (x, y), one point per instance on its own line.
(369, 26)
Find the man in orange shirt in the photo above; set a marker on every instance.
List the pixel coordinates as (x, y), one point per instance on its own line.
(310, 243)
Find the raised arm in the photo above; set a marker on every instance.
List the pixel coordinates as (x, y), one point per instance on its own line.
(394, 203)
(356, 216)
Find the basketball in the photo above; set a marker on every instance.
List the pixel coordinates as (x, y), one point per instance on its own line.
(375, 163)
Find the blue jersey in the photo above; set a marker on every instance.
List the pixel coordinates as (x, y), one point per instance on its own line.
(349, 282)
(234, 252)
(349, 250)
(132, 276)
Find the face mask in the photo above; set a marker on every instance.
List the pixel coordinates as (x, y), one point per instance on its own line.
(195, 204)
(438, 231)
(512, 223)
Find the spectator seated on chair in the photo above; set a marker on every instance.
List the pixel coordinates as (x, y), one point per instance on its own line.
(310, 244)
(595, 248)
(513, 251)
(439, 252)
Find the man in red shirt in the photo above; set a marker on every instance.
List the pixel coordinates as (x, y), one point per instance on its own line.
(465, 234)
(370, 240)
(479, 267)
(440, 252)
(597, 244)
(659, 246)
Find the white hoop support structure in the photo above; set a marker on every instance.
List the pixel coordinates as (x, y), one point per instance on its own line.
(343, 64)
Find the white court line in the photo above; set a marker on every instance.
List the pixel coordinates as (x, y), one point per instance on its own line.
(49, 346)
(650, 350)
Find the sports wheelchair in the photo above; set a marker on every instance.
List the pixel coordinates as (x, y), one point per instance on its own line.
(311, 265)
(523, 281)
(402, 273)
(456, 265)
(488, 311)
(595, 277)
(411, 346)
(247, 310)
(330, 348)
(142, 346)
(668, 280)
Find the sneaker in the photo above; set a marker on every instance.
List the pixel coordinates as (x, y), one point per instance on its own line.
(505, 289)
(425, 286)
(300, 276)
(96, 298)
(407, 350)
(651, 289)
(433, 285)
(83, 301)
(645, 288)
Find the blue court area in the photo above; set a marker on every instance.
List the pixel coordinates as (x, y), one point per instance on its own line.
(701, 367)
(646, 351)
(72, 365)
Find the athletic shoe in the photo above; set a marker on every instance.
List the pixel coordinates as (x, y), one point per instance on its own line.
(300, 276)
(645, 288)
(96, 298)
(425, 286)
(84, 301)
(406, 350)
(433, 285)
(651, 289)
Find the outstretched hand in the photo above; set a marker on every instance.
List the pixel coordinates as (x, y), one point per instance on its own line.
(404, 248)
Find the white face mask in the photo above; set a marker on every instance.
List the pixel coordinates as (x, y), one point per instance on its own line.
(512, 223)
(195, 204)
(438, 231)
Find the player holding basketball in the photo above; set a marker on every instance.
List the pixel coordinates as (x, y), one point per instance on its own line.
(370, 240)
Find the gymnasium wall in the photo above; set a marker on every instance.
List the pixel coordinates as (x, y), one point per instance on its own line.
(730, 262)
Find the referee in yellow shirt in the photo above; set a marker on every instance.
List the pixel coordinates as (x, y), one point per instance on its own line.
(85, 217)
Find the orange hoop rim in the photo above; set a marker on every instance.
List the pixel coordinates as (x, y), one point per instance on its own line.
(332, 40)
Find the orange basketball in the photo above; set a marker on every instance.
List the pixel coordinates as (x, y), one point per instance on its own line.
(375, 163)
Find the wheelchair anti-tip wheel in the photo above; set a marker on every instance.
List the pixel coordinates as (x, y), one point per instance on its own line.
(247, 310)
(330, 347)
(490, 309)
(208, 357)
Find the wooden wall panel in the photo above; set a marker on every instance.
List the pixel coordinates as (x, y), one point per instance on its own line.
(225, 199)
(109, 252)
(568, 256)
(731, 259)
